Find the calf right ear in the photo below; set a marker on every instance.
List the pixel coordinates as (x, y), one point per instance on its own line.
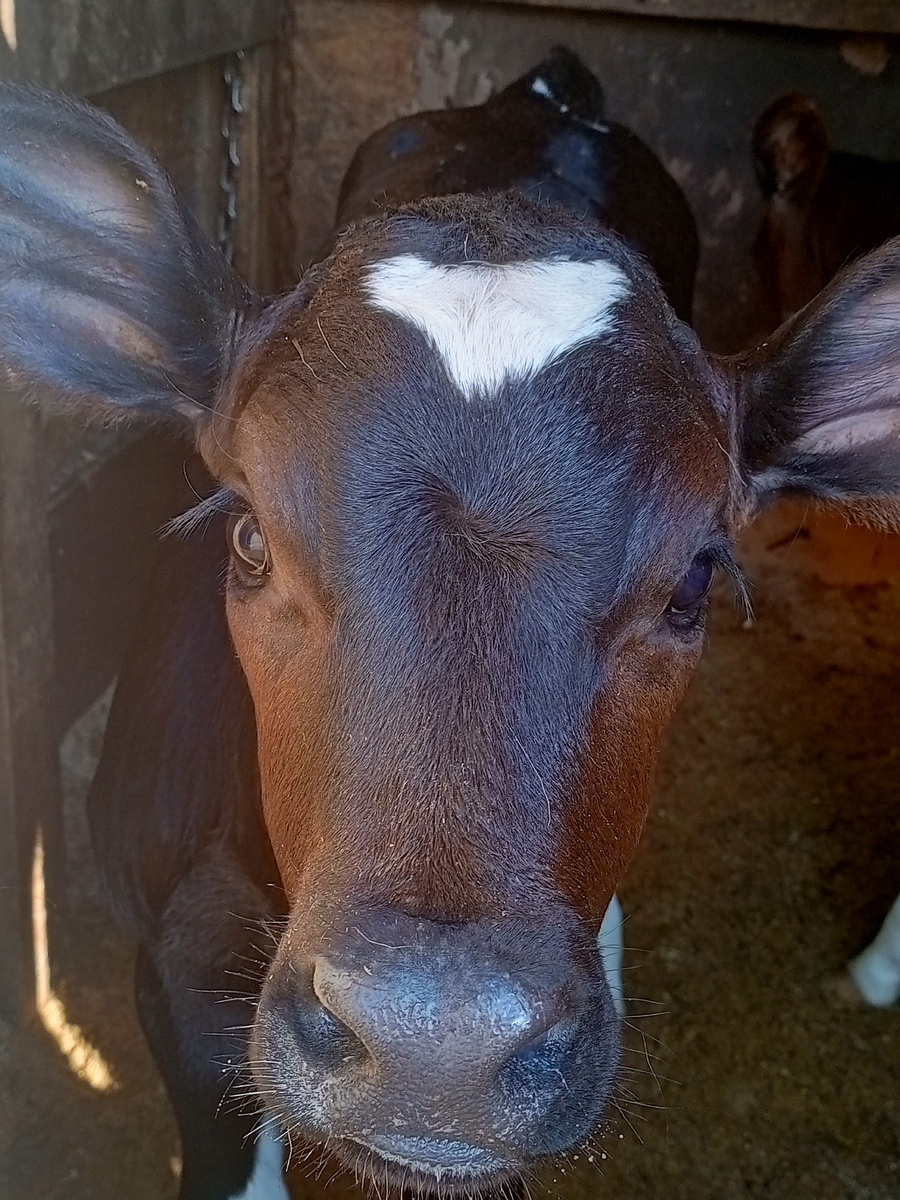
(112, 301)
(818, 403)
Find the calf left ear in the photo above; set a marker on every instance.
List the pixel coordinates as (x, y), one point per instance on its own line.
(113, 303)
(817, 406)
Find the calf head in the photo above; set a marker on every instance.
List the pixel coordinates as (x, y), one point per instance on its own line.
(479, 477)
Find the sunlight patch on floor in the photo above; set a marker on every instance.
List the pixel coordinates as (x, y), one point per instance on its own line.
(84, 1059)
(8, 23)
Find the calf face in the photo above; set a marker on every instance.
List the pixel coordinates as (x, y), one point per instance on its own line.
(466, 520)
(479, 476)
(823, 208)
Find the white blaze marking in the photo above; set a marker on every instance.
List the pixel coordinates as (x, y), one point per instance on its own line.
(267, 1181)
(490, 323)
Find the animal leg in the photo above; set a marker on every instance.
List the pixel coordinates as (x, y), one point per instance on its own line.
(876, 972)
(195, 1012)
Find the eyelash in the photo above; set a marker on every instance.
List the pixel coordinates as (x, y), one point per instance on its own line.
(222, 500)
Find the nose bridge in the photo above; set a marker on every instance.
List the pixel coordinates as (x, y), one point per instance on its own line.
(447, 740)
(453, 839)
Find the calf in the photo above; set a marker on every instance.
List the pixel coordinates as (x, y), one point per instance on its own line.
(823, 210)
(395, 702)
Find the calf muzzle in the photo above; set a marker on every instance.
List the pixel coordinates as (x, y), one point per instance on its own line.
(438, 1053)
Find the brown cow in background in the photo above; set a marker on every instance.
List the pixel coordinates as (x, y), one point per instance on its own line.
(824, 208)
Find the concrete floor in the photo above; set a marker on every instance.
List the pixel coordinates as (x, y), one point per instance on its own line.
(772, 852)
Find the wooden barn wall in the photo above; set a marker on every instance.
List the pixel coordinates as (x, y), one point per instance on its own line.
(691, 89)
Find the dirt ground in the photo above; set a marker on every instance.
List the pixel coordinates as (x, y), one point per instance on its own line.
(772, 852)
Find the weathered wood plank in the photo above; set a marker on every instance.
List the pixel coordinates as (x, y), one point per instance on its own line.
(354, 67)
(861, 16)
(89, 45)
(256, 168)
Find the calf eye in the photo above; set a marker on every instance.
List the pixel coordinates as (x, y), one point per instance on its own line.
(248, 544)
(691, 591)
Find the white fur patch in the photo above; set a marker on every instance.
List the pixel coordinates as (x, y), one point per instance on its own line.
(490, 323)
(611, 944)
(542, 88)
(266, 1181)
(876, 972)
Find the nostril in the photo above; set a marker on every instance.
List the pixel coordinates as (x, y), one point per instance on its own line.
(323, 1038)
(351, 997)
(541, 1065)
(549, 1045)
(550, 1021)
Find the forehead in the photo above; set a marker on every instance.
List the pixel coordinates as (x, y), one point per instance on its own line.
(529, 363)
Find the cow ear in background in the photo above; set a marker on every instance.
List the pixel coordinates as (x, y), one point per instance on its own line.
(818, 405)
(112, 301)
(790, 147)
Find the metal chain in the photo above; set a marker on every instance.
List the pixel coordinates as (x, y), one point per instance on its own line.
(231, 124)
